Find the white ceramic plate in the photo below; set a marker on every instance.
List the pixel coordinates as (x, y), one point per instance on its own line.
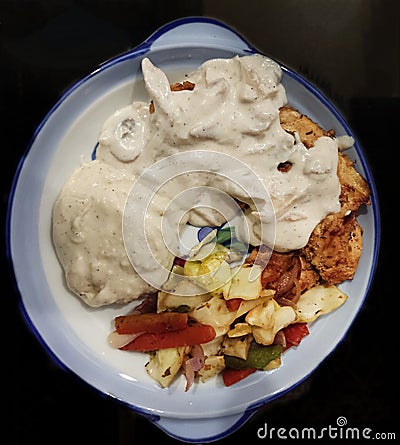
(75, 334)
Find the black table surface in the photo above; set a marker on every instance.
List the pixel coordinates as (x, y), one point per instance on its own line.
(43, 403)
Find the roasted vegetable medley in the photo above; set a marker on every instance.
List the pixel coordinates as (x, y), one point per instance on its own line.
(216, 317)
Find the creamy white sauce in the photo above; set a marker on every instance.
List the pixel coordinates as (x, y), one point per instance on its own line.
(87, 229)
(234, 111)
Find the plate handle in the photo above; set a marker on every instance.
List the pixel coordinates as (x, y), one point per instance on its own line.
(198, 31)
(202, 430)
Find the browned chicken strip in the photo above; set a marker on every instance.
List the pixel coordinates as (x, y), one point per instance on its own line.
(293, 121)
(335, 246)
(354, 188)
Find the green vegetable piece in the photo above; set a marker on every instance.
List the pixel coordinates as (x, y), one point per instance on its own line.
(239, 246)
(258, 357)
(225, 235)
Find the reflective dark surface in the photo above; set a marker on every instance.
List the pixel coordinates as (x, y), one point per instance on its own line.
(45, 47)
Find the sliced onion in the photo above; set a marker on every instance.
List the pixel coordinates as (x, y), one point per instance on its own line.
(283, 301)
(297, 293)
(287, 280)
(280, 339)
(149, 304)
(117, 341)
(188, 371)
(193, 364)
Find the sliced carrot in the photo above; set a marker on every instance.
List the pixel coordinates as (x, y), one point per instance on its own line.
(191, 335)
(150, 322)
(232, 376)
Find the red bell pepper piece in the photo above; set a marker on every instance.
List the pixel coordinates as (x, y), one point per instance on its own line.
(294, 333)
(191, 335)
(232, 376)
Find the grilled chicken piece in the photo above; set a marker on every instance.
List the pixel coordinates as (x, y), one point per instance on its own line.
(354, 188)
(293, 121)
(309, 277)
(335, 246)
(186, 85)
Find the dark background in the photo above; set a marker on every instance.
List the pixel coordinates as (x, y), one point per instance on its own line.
(350, 50)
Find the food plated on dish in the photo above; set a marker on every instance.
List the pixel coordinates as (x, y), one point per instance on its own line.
(297, 234)
(87, 293)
